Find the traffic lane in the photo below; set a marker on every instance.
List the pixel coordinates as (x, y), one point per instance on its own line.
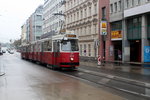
(28, 81)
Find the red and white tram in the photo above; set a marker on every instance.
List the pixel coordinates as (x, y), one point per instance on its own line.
(59, 51)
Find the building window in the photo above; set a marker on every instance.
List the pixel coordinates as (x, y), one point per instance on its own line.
(115, 26)
(71, 18)
(95, 8)
(89, 46)
(81, 31)
(127, 3)
(119, 5)
(85, 13)
(132, 3)
(134, 28)
(89, 29)
(85, 50)
(104, 13)
(80, 49)
(115, 6)
(74, 17)
(148, 26)
(138, 2)
(85, 30)
(77, 15)
(89, 11)
(81, 14)
(95, 28)
(148, 0)
(111, 8)
(77, 31)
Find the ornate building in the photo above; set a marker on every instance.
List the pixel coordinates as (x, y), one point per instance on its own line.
(52, 22)
(82, 17)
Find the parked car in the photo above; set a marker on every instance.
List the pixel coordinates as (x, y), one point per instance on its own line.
(1, 53)
(11, 51)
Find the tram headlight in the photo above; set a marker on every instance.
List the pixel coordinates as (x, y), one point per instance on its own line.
(71, 59)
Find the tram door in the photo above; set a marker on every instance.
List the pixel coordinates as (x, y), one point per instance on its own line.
(56, 50)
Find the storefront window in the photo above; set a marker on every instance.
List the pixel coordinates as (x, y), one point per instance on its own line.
(134, 28)
(116, 26)
(148, 26)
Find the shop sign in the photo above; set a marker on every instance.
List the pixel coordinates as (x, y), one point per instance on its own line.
(147, 54)
(116, 35)
(103, 28)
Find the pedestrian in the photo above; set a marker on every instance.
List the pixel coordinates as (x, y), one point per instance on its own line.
(119, 56)
(84, 52)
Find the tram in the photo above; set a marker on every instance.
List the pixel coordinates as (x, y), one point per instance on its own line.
(59, 51)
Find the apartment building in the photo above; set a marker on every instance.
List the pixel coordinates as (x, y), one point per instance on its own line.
(53, 18)
(37, 22)
(34, 25)
(82, 17)
(23, 34)
(29, 34)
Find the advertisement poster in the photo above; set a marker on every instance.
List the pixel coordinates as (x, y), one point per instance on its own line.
(147, 54)
(116, 35)
(103, 28)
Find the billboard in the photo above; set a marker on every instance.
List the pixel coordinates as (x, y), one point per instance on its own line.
(103, 27)
(116, 35)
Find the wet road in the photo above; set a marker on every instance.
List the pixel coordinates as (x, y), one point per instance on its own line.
(127, 88)
(24, 80)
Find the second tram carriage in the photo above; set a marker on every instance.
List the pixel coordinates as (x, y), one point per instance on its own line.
(59, 51)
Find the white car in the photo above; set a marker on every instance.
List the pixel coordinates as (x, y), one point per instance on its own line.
(11, 52)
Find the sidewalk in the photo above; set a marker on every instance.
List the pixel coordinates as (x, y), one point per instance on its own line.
(133, 72)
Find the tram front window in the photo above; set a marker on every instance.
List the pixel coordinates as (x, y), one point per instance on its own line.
(69, 45)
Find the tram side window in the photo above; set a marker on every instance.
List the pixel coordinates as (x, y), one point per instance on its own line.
(39, 48)
(56, 46)
(47, 46)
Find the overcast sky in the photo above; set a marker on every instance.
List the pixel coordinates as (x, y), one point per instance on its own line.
(13, 14)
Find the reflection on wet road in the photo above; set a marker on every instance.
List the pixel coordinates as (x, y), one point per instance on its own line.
(28, 81)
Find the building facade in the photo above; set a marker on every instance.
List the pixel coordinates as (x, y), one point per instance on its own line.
(23, 34)
(136, 30)
(52, 23)
(37, 22)
(82, 17)
(129, 22)
(29, 33)
(105, 47)
(116, 28)
(34, 25)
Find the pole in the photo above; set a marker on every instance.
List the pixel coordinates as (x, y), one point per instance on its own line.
(1, 73)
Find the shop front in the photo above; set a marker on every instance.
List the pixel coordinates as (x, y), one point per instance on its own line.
(116, 38)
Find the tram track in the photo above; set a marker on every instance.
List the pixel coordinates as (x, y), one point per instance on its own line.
(116, 78)
(130, 86)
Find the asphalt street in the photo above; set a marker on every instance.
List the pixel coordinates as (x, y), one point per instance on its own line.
(24, 80)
